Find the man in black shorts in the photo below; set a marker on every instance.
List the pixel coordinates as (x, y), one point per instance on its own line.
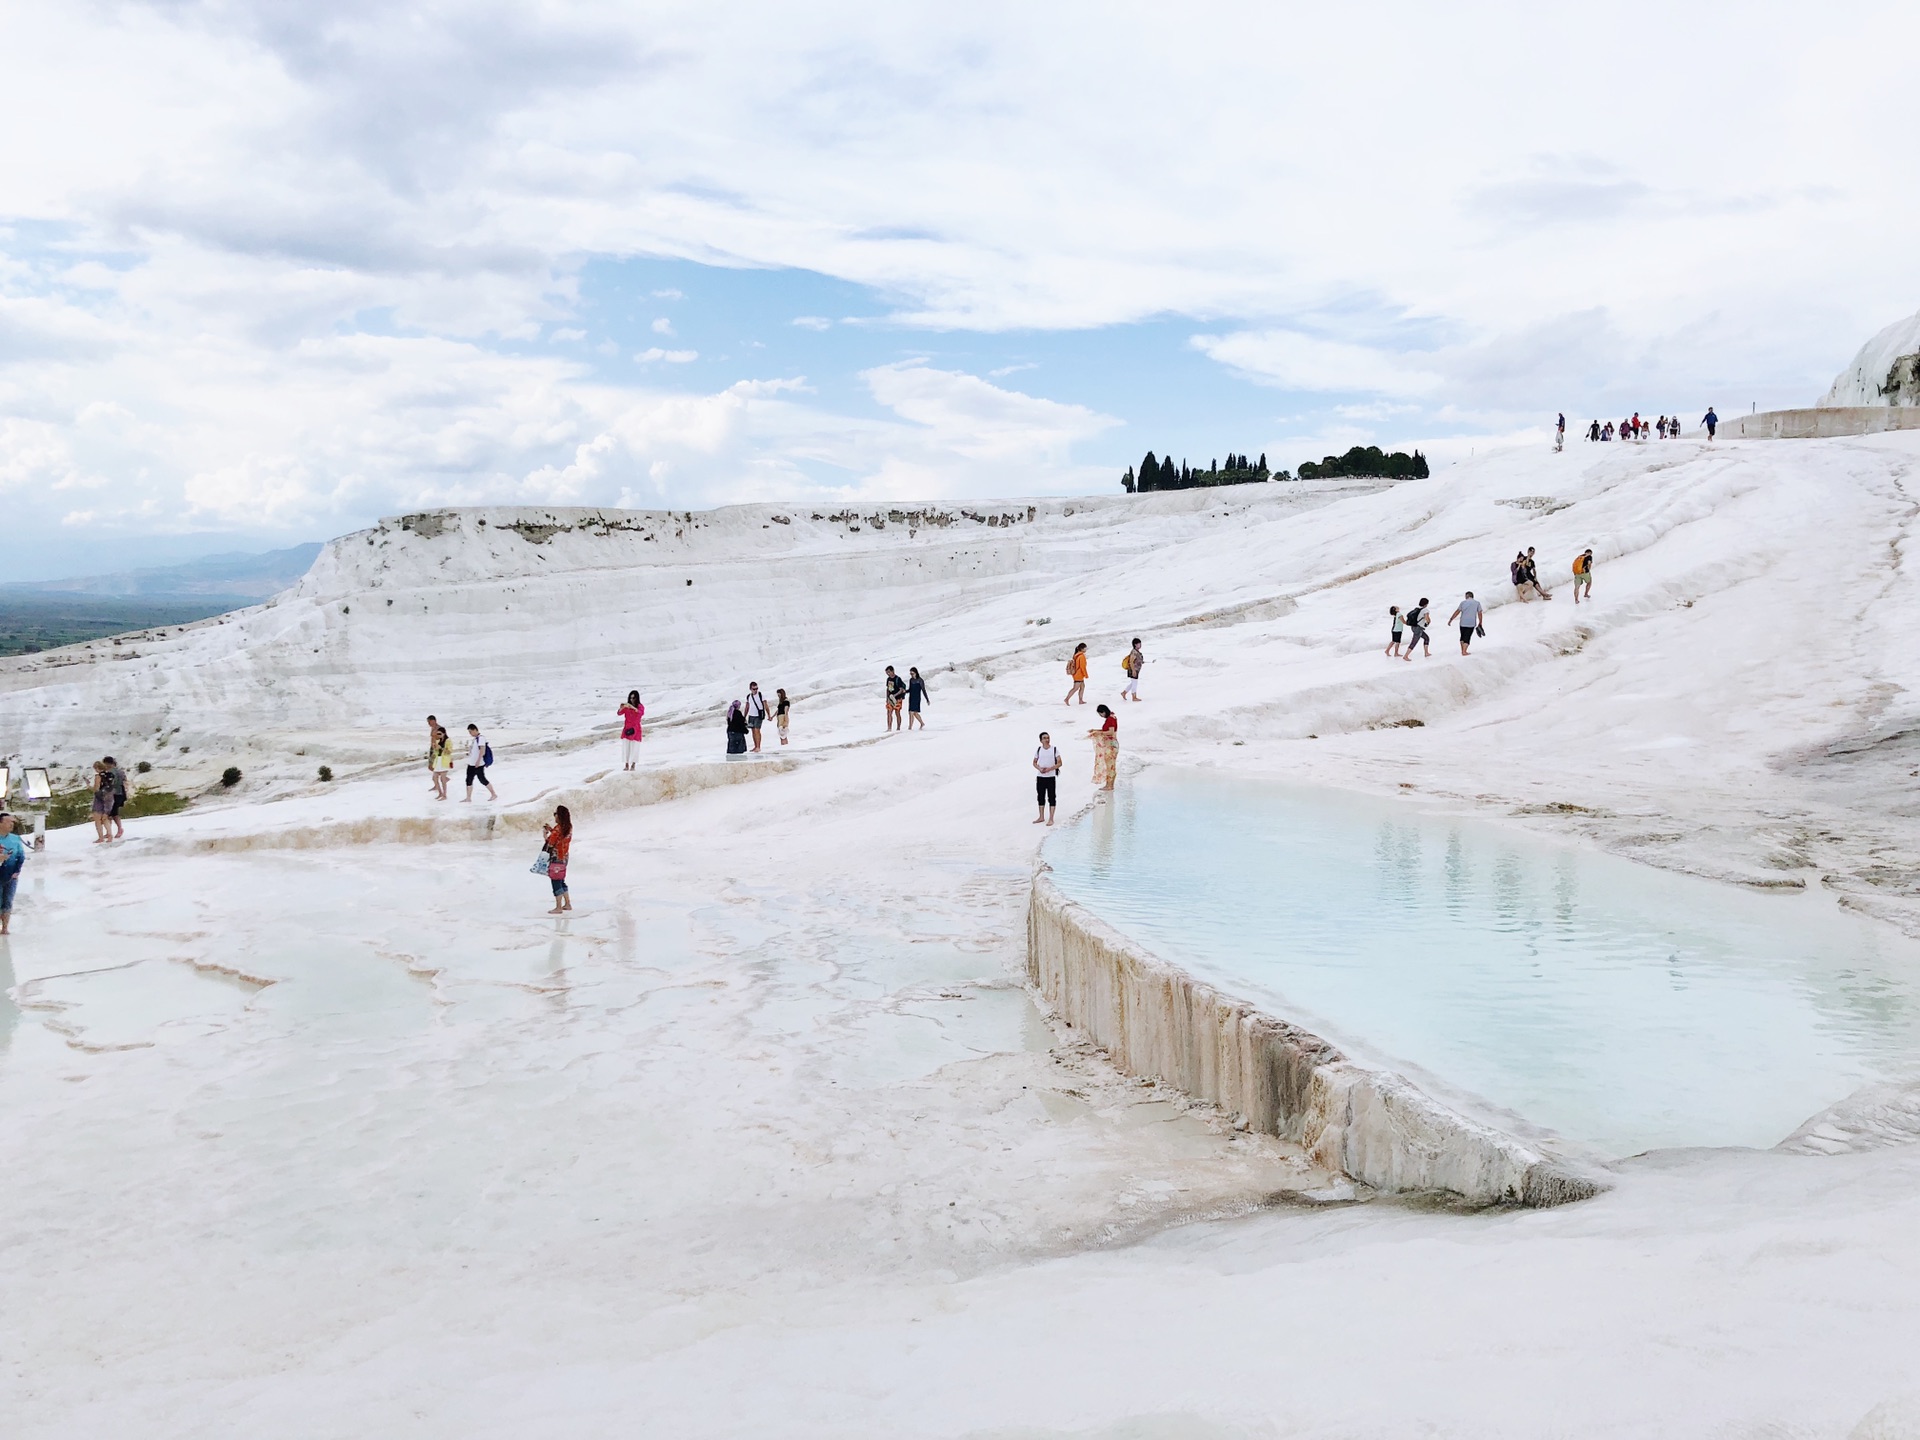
(477, 764)
(1046, 762)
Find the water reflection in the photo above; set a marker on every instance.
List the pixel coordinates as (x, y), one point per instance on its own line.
(1622, 1005)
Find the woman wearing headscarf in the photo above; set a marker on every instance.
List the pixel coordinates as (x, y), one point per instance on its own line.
(736, 729)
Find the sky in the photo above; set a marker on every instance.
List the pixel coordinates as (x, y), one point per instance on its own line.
(270, 270)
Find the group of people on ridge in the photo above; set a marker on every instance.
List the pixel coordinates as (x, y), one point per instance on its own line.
(1409, 627)
(440, 760)
(745, 718)
(1667, 427)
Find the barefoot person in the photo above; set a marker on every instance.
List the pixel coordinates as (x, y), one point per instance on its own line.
(1077, 674)
(1417, 630)
(479, 756)
(1533, 577)
(1393, 647)
(756, 708)
(557, 840)
(781, 705)
(917, 695)
(895, 691)
(440, 761)
(13, 859)
(1468, 613)
(1046, 784)
(1135, 662)
(1583, 574)
(1106, 747)
(119, 779)
(433, 729)
(630, 713)
(102, 806)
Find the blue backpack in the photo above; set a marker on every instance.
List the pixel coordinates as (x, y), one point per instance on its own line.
(486, 755)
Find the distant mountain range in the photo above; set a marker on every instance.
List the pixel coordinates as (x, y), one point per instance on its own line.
(238, 577)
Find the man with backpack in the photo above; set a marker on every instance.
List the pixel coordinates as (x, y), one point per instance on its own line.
(1417, 630)
(13, 859)
(1583, 574)
(118, 778)
(1135, 662)
(479, 757)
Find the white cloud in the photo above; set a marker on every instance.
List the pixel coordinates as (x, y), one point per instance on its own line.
(663, 326)
(1293, 361)
(287, 243)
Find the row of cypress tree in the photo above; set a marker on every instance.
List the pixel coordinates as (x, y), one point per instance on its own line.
(1156, 474)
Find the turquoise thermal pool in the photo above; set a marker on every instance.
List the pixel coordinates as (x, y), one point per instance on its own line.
(1620, 1006)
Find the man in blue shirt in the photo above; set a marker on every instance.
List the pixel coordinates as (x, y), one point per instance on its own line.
(13, 858)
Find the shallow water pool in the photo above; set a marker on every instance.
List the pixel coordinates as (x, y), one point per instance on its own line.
(1623, 1007)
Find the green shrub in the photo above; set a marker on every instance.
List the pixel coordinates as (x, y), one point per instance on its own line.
(75, 807)
(230, 776)
(144, 767)
(326, 773)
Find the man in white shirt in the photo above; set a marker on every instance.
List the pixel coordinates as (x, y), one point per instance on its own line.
(756, 712)
(1468, 613)
(477, 764)
(1046, 762)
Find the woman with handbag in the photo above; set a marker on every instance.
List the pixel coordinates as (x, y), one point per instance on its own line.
(556, 843)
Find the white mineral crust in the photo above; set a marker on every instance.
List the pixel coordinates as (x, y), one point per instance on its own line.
(315, 1124)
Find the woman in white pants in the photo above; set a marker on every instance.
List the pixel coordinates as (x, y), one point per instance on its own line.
(630, 714)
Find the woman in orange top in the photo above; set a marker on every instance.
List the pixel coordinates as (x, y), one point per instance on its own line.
(1077, 673)
(557, 839)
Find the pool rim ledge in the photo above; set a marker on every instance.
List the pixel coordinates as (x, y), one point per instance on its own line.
(1155, 1020)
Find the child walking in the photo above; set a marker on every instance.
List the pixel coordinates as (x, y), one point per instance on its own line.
(1399, 625)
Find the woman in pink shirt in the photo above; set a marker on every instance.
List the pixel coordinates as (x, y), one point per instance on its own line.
(630, 714)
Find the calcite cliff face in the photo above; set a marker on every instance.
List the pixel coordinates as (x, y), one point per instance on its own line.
(1885, 372)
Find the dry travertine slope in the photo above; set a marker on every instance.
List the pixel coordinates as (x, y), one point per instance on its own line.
(1738, 701)
(766, 1139)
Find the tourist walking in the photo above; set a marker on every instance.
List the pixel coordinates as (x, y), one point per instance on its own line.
(1135, 662)
(1711, 421)
(1077, 674)
(119, 779)
(433, 728)
(1393, 611)
(1560, 434)
(631, 713)
(756, 708)
(13, 859)
(895, 691)
(1046, 784)
(556, 843)
(440, 761)
(1106, 748)
(1583, 574)
(101, 807)
(479, 757)
(917, 695)
(1417, 624)
(1593, 431)
(1468, 613)
(736, 729)
(781, 705)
